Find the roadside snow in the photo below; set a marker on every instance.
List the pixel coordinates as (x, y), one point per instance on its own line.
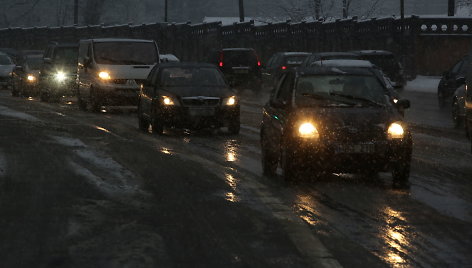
(16, 114)
(69, 142)
(426, 84)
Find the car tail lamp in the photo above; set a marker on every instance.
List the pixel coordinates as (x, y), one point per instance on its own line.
(259, 63)
(221, 64)
(222, 57)
(284, 67)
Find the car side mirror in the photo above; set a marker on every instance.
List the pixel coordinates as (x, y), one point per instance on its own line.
(404, 104)
(460, 80)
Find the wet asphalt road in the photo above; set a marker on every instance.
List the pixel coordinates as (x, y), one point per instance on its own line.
(80, 189)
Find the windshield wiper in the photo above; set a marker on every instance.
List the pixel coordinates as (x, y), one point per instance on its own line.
(352, 97)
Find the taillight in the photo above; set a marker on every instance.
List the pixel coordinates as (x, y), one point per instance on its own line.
(284, 67)
(221, 64)
(259, 63)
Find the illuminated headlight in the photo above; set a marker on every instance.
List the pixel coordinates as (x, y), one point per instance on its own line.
(395, 100)
(61, 76)
(104, 75)
(309, 131)
(230, 101)
(167, 101)
(395, 131)
(31, 78)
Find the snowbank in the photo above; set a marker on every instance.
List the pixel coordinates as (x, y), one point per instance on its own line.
(426, 84)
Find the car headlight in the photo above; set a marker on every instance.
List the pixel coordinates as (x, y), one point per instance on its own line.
(308, 130)
(231, 101)
(60, 76)
(167, 101)
(395, 131)
(31, 78)
(104, 75)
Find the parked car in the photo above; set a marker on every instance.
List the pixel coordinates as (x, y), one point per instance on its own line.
(334, 120)
(388, 62)
(187, 95)
(58, 72)
(27, 76)
(279, 64)
(240, 66)
(322, 56)
(111, 71)
(451, 80)
(7, 68)
(168, 58)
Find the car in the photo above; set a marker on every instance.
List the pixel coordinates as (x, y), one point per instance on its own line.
(7, 68)
(334, 120)
(111, 71)
(241, 66)
(388, 62)
(27, 75)
(187, 95)
(322, 56)
(168, 58)
(451, 80)
(458, 105)
(59, 71)
(280, 63)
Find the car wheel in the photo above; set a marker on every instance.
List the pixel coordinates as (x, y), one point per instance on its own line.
(457, 120)
(269, 162)
(234, 126)
(95, 101)
(142, 122)
(441, 101)
(289, 166)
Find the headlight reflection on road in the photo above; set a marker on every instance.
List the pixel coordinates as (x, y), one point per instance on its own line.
(233, 183)
(306, 209)
(395, 238)
(231, 151)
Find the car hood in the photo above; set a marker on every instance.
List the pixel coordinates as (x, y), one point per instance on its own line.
(220, 92)
(140, 72)
(5, 70)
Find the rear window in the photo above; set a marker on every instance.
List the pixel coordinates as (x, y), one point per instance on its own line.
(295, 60)
(386, 62)
(191, 76)
(242, 58)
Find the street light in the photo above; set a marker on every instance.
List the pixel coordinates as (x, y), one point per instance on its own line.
(241, 10)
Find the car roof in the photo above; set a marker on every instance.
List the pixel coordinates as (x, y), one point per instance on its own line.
(238, 49)
(335, 53)
(186, 65)
(372, 52)
(322, 70)
(345, 63)
(288, 54)
(104, 40)
(66, 45)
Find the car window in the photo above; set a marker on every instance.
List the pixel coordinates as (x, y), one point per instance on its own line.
(285, 91)
(125, 53)
(464, 66)
(67, 55)
(455, 68)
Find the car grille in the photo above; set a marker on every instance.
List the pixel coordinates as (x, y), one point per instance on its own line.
(200, 101)
(350, 135)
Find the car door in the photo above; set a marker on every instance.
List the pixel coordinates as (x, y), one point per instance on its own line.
(148, 92)
(276, 112)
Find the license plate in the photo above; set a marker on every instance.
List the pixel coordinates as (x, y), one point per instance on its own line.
(241, 71)
(363, 148)
(202, 111)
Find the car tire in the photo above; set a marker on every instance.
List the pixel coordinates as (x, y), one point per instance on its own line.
(289, 166)
(157, 127)
(457, 120)
(143, 124)
(95, 102)
(234, 126)
(269, 162)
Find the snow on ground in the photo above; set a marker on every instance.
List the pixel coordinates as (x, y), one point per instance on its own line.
(426, 84)
(15, 114)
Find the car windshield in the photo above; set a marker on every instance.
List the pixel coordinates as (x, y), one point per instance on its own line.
(34, 63)
(191, 76)
(66, 55)
(125, 53)
(5, 60)
(352, 87)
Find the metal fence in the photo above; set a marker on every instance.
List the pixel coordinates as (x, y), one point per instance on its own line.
(425, 45)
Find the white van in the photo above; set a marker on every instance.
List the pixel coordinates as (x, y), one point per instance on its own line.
(111, 71)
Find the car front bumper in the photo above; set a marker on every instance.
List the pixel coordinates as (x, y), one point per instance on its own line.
(198, 117)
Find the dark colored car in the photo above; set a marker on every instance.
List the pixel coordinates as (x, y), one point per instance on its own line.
(280, 63)
(334, 120)
(458, 106)
(322, 56)
(59, 72)
(240, 66)
(388, 62)
(27, 76)
(451, 80)
(7, 68)
(190, 95)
